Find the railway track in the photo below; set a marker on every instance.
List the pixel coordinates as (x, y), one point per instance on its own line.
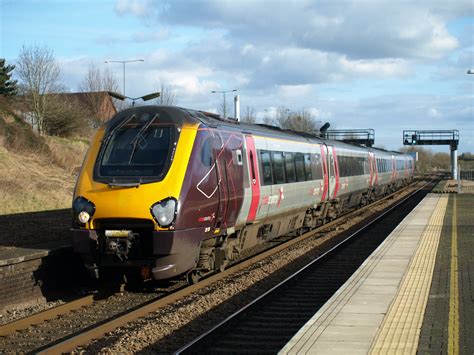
(66, 327)
(40, 330)
(270, 321)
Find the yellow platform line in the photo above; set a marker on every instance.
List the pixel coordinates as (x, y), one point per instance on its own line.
(400, 329)
(453, 324)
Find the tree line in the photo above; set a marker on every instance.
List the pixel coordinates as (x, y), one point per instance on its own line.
(44, 101)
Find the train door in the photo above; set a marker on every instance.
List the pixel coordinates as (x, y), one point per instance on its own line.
(394, 170)
(325, 172)
(223, 188)
(254, 178)
(372, 170)
(332, 173)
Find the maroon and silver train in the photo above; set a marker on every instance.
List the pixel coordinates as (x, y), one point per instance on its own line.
(167, 191)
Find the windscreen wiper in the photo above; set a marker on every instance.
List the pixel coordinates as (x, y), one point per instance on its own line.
(117, 127)
(139, 135)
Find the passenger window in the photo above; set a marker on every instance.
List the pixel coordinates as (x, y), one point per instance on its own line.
(341, 161)
(266, 167)
(290, 167)
(278, 168)
(299, 165)
(318, 167)
(307, 166)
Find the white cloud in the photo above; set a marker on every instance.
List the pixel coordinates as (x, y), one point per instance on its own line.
(248, 48)
(155, 36)
(378, 68)
(432, 112)
(300, 53)
(135, 7)
(363, 30)
(294, 91)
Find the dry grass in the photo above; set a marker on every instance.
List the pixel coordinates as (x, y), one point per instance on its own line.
(36, 173)
(31, 183)
(67, 153)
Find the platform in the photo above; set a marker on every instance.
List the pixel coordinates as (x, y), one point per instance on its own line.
(413, 294)
(35, 253)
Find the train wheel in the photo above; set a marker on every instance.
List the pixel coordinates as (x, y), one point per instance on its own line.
(193, 277)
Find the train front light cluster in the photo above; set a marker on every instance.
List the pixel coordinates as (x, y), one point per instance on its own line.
(83, 210)
(164, 211)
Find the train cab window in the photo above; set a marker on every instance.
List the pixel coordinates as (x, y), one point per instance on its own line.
(278, 168)
(307, 167)
(266, 167)
(136, 151)
(206, 152)
(290, 167)
(299, 167)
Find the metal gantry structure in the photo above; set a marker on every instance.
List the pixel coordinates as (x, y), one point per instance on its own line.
(365, 137)
(436, 137)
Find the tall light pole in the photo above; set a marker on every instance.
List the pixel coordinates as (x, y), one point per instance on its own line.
(223, 92)
(123, 63)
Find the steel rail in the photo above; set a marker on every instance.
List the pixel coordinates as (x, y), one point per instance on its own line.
(23, 323)
(82, 338)
(291, 277)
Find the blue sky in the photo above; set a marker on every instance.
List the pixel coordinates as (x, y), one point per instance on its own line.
(388, 64)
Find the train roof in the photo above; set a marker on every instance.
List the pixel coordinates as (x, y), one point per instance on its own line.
(180, 116)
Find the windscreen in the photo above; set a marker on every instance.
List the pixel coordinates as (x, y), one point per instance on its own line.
(135, 150)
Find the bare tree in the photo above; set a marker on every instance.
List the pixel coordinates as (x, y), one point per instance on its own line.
(301, 121)
(268, 120)
(427, 160)
(282, 117)
(249, 116)
(39, 75)
(225, 108)
(66, 116)
(167, 95)
(95, 84)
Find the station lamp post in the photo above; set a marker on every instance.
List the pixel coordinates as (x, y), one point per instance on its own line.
(123, 64)
(223, 92)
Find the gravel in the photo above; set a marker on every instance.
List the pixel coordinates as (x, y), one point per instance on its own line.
(21, 311)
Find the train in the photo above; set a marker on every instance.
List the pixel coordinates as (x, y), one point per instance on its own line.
(168, 192)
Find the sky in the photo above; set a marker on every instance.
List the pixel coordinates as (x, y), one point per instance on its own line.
(390, 65)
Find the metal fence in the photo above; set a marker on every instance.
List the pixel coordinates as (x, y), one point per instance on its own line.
(466, 174)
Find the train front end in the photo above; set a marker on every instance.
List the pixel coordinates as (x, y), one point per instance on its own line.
(126, 198)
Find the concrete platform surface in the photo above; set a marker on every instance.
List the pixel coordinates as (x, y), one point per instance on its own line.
(381, 308)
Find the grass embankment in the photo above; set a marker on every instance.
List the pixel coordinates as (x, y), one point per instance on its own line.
(36, 173)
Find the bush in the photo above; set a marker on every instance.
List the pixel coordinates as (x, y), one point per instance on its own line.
(18, 135)
(66, 117)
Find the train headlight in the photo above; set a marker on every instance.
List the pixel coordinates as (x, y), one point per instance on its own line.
(83, 217)
(164, 211)
(83, 209)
